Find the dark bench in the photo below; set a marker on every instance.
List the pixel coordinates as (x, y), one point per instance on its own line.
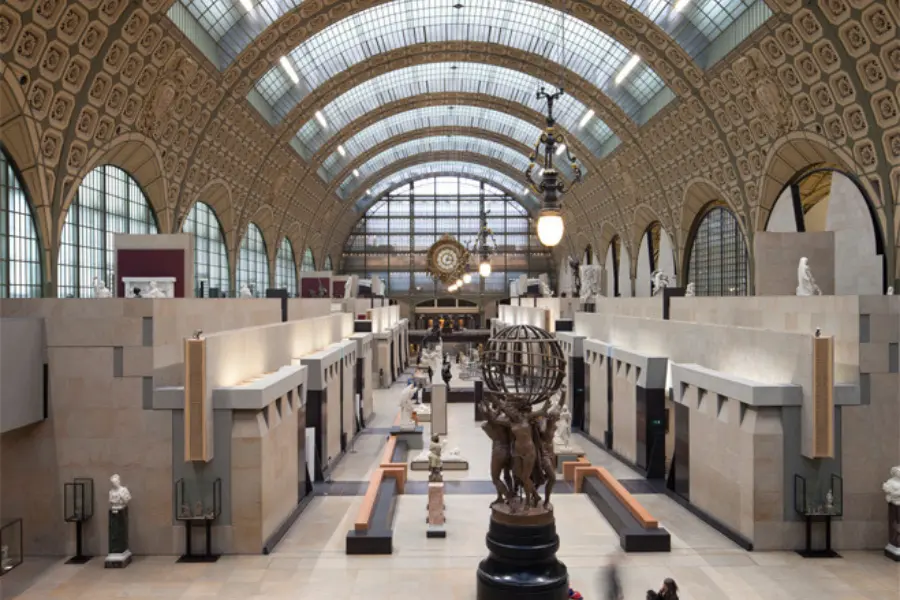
(638, 531)
(372, 531)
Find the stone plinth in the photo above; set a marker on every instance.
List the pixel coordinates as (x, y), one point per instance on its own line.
(119, 554)
(892, 550)
(411, 435)
(436, 511)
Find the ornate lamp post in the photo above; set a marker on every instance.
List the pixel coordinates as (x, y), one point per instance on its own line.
(551, 187)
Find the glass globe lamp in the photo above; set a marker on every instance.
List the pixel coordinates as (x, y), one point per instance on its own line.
(550, 228)
(467, 278)
(484, 269)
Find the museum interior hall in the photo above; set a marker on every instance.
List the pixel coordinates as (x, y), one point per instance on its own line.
(455, 299)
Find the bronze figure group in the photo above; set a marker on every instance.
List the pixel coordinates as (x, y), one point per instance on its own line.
(522, 455)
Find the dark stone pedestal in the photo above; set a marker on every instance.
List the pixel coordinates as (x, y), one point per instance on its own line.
(892, 550)
(119, 554)
(522, 563)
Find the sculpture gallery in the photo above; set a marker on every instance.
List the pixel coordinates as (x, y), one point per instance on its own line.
(523, 367)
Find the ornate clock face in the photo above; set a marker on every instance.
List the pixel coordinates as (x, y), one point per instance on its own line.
(447, 259)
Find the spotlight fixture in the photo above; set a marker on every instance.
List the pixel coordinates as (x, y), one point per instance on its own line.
(248, 5)
(550, 187)
(467, 278)
(355, 172)
(341, 150)
(369, 192)
(587, 117)
(321, 119)
(628, 68)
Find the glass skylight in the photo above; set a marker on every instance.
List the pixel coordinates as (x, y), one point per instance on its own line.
(443, 143)
(427, 117)
(447, 167)
(433, 78)
(522, 24)
(232, 27)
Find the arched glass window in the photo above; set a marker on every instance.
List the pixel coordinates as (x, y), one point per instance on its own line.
(285, 267)
(210, 254)
(394, 235)
(309, 262)
(718, 258)
(253, 266)
(20, 251)
(328, 266)
(108, 202)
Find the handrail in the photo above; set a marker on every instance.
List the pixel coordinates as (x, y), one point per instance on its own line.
(364, 517)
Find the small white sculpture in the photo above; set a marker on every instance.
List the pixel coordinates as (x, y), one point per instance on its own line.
(153, 291)
(544, 284)
(563, 435)
(891, 487)
(377, 286)
(245, 291)
(119, 496)
(890, 291)
(806, 284)
(660, 281)
(590, 282)
(689, 292)
(407, 406)
(100, 289)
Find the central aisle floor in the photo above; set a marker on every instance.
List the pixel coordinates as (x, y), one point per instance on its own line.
(310, 564)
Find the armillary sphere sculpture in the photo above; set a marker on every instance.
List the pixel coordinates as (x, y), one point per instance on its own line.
(523, 369)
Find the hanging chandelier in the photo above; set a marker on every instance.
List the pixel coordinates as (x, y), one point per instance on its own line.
(550, 187)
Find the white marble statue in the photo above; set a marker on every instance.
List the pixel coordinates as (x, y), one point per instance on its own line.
(689, 292)
(446, 456)
(660, 280)
(567, 279)
(100, 289)
(245, 291)
(590, 282)
(119, 496)
(563, 436)
(806, 284)
(544, 283)
(153, 291)
(377, 286)
(890, 291)
(407, 406)
(891, 487)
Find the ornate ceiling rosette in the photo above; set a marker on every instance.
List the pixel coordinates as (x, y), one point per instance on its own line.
(448, 260)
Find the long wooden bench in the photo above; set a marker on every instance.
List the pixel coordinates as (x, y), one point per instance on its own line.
(637, 529)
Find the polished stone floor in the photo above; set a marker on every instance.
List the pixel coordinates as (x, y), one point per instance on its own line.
(310, 563)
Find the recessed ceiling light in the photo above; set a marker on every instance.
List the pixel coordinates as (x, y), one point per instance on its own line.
(355, 173)
(341, 150)
(587, 117)
(248, 5)
(321, 119)
(286, 65)
(628, 68)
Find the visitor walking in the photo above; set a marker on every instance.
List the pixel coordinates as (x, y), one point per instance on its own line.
(668, 591)
(612, 583)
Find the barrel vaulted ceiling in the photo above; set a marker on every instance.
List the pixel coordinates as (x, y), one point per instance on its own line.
(269, 108)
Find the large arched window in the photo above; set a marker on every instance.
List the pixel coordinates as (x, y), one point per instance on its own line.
(108, 202)
(328, 266)
(309, 261)
(253, 266)
(20, 251)
(393, 238)
(286, 268)
(718, 256)
(210, 254)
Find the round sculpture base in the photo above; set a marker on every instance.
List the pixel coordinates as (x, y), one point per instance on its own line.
(522, 563)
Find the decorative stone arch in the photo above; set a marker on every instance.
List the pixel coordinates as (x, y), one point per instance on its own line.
(698, 194)
(417, 134)
(475, 52)
(793, 155)
(263, 218)
(685, 257)
(644, 217)
(613, 17)
(217, 195)
(141, 158)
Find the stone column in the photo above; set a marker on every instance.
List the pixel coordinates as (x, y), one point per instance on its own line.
(436, 511)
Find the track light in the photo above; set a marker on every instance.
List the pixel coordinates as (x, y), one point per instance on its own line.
(321, 119)
(628, 68)
(355, 173)
(341, 150)
(587, 117)
(286, 65)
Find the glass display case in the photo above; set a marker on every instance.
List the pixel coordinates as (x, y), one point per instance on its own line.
(819, 506)
(11, 551)
(200, 508)
(78, 508)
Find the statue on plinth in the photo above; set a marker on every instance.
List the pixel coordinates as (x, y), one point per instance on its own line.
(689, 291)
(806, 284)
(119, 497)
(434, 459)
(245, 291)
(660, 280)
(407, 406)
(890, 290)
(100, 289)
(891, 490)
(564, 428)
(153, 291)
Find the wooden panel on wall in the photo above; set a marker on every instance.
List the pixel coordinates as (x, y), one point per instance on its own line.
(820, 420)
(197, 413)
